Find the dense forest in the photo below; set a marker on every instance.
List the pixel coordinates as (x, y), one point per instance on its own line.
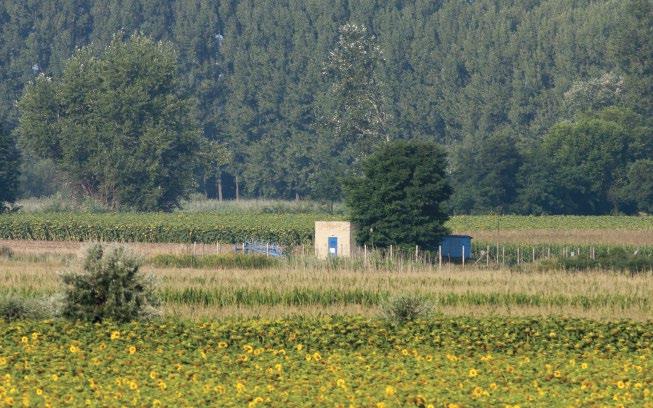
(544, 106)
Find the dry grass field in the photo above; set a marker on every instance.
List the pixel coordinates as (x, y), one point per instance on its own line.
(303, 286)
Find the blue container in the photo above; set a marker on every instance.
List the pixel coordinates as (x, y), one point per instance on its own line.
(452, 247)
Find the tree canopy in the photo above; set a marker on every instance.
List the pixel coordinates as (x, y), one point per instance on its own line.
(399, 197)
(116, 123)
(459, 73)
(581, 166)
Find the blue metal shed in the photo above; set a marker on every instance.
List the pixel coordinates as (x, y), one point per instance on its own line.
(454, 245)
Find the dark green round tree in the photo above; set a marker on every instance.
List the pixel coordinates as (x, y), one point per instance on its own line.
(398, 199)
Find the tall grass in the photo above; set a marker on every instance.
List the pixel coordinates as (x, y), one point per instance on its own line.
(199, 204)
(306, 286)
(224, 261)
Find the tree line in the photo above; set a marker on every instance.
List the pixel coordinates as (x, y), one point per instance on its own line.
(544, 106)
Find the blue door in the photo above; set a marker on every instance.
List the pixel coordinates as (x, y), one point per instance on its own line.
(333, 246)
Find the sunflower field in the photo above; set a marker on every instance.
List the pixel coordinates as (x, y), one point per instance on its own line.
(334, 361)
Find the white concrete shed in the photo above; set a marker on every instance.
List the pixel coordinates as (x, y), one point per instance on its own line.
(333, 238)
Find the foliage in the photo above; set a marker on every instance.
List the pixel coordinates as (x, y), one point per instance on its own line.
(213, 157)
(640, 185)
(580, 166)
(41, 178)
(631, 47)
(399, 198)
(594, 94)
(485, 174)
(462, 361)
(110, 287)
(404, 309)
(18, 308)
(355, 112)
(237, 261)
(453, 70)
(8, 170)
(116, 123)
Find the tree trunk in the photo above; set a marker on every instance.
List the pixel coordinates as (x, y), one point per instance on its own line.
(237, 190)
(219, 186)
(206, 187)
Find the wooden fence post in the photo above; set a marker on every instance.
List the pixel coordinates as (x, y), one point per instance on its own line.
(463, 256)
(440, 256)
(517, 255)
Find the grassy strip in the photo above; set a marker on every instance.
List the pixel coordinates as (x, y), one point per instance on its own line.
(222, 261)
(327, 297)
(225, 297)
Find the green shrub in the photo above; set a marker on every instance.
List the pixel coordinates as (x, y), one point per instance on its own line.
(110, 287)
(18, 308)
(403, 309)
(225, 261)
(617, 260)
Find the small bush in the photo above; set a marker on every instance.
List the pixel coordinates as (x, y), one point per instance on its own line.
(6, 252)
(110, 287)
(406, 308)
(16, 308)
(239, 261)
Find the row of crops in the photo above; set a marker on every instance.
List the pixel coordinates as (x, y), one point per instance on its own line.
(555, 222)
(288, 229)
(328, 362)
(156, 227)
